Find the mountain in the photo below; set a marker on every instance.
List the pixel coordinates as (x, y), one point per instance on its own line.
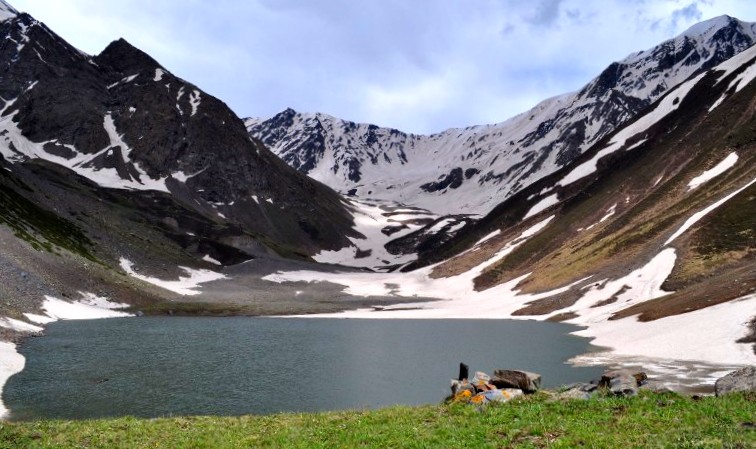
(471, 170)
(627, 207)
(646, 240)
(122, 121)
(120, 180)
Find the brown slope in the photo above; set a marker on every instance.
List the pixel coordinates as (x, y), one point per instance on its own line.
(715, 257)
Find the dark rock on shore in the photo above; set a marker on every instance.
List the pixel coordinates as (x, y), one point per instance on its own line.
(523, 380)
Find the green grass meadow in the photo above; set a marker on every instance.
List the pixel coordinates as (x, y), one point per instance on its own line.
(650, 420)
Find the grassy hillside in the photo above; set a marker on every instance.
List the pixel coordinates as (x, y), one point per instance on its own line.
(649, 420)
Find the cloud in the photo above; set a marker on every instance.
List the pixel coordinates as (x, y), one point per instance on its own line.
(688, 13)
(419, 66)
(545, 14)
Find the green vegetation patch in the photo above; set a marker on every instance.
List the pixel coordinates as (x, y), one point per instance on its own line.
(43, 229)
(732, 227)
(649, 420)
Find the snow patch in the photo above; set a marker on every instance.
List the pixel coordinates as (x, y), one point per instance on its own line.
(207, 258)
(702, 335)
(719, 101)
(18, 325)
(185, 285)
(638, 286)
(158, 75)
(542, 205)
(89, 308)
(726, 164)
(488, 237)
(127, 79)
(609, 213)
(11, 362)
(458, 289)
(183, 177)
(194, 101)
(370, 252)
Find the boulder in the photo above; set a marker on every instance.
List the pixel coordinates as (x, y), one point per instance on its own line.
(522, 380)
(622, 382)
(574, 393)
(624, 386)
(743, 379)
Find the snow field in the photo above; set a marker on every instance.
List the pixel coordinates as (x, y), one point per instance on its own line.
(185, 285)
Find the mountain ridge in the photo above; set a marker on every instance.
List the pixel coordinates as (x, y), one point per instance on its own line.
(474, 168)
(97, 116)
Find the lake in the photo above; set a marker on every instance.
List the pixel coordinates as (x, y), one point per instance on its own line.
(164, 366)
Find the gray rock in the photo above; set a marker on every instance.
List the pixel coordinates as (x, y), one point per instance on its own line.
(743, 379)
(620, 382)
(577, 393)
(624, 386)
(523, 380)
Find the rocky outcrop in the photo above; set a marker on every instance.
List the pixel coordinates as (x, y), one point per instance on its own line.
(743, 379)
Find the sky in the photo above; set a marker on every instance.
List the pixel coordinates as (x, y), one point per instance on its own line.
(420, 66)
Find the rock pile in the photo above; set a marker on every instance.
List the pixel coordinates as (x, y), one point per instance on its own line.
(505, 385)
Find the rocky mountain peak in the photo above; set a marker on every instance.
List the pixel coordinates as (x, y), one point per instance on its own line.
(123, 57)
(711, 26)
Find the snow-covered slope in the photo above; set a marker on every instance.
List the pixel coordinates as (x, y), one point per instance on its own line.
(7, 11)
(646, 240)
(471, 170)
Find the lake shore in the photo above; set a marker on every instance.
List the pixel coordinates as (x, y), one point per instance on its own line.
(284, 288)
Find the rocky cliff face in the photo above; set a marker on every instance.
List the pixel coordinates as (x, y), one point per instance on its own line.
(122, 121)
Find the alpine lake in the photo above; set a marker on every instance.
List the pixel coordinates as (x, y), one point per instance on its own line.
(169, 366)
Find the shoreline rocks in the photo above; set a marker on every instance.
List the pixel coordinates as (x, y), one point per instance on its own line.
(505, 385)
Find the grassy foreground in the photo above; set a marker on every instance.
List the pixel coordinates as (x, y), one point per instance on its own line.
(648, 421)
